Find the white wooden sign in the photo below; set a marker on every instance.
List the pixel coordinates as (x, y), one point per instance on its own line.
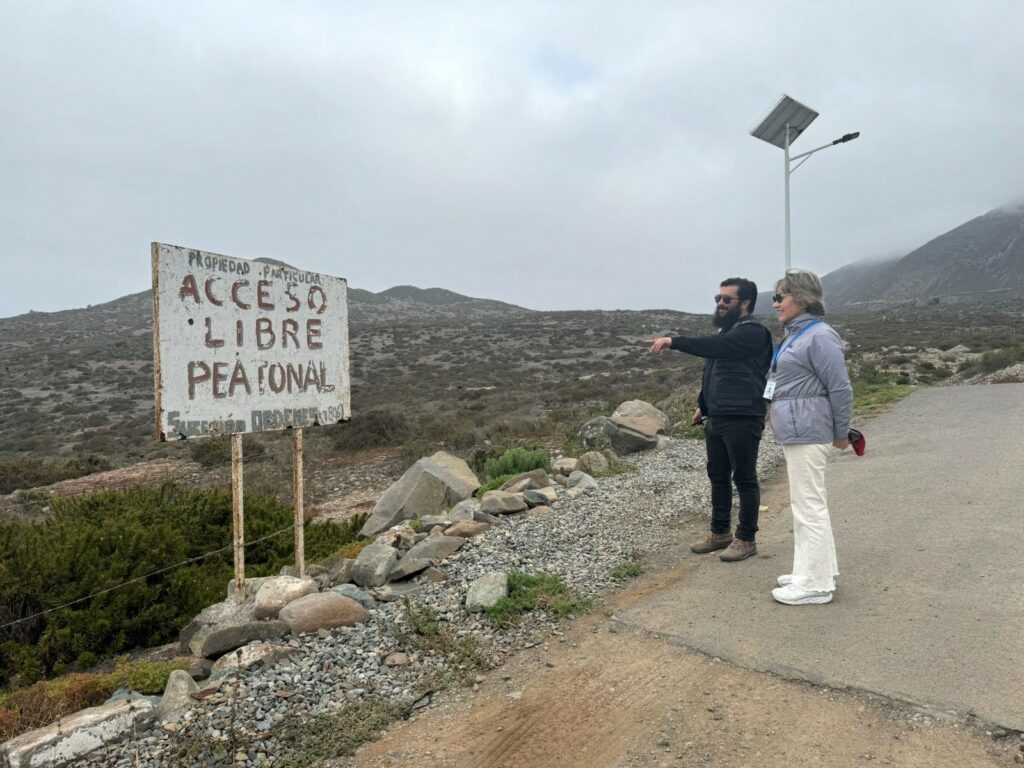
(246, 346)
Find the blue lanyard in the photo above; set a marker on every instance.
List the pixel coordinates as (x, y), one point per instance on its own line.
(781, 349)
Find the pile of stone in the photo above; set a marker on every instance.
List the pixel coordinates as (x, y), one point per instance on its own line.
(421, 521)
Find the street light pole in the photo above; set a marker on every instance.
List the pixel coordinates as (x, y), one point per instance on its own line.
(780, 128)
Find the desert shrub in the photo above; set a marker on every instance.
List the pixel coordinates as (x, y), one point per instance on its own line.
(114, 539)
(373, 429)
(216, 451)
(516, 461)
(527, 592)
(493, 484)
(25, 472)
(997, 359)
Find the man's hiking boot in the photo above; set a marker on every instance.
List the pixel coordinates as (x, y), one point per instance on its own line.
(738, 550)
(711, 543)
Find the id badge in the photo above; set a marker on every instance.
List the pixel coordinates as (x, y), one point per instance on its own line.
(769, 389)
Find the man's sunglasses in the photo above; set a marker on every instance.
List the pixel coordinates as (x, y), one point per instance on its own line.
(778, 297)
(727, 300)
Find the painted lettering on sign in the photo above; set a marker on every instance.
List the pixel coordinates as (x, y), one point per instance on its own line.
(245, 345)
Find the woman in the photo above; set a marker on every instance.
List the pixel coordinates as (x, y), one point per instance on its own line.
(811, 399)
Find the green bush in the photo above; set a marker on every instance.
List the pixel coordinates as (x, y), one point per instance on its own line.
(109, 541)
(516, 461)
(527, 592)
(25, 472)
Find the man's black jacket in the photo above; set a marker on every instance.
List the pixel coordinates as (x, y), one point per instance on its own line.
(735, 368)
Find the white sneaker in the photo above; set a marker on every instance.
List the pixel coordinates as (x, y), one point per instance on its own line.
(791, 594)
(784, 579)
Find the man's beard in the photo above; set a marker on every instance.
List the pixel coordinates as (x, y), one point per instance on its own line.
(729, 319)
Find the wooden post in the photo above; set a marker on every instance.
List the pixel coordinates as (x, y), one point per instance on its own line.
(238, 515)
(300, 538)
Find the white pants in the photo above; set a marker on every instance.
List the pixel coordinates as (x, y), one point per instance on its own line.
(814, 549)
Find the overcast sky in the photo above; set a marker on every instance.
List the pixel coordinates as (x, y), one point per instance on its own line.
(554, 155)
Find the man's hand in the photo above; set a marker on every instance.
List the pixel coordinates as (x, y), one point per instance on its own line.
(697, 416)
(842, 445)
(657, 345)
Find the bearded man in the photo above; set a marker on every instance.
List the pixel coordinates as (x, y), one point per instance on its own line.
(732, 407)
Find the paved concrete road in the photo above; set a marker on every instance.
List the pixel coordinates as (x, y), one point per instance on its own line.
(929, 528)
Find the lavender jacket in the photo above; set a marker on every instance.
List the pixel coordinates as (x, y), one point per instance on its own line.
(813, 397)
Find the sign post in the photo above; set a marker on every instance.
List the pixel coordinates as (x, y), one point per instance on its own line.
(242, 347)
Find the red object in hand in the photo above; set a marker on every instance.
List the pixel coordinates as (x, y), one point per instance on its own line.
(858, 441)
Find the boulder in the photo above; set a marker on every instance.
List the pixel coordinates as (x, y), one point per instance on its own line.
(581, 481)
(400, 536)
(501, 503)
(373, 565)
(226, 612)
(353, 592)
(252, 586)
(535, 478)
(486, 591)
(428, 486)
(483, 517)
(594, 435)
(200, 669)
(431, 551)
(323, 610)
(217, 640)
(540, 497)
(71, 738)
(565, 466)
(634, 426)
(464, 510)
(340, 570)
(435, 575)
(248, 656)
(466, 529)
(593, 463)
(177, 698)
(430, 522)
(277, 592)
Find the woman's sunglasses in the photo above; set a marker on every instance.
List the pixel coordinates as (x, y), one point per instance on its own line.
(778, 297)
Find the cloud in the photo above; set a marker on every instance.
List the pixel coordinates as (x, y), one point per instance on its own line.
(555, 156)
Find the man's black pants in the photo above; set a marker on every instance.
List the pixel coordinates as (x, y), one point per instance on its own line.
(732, 445)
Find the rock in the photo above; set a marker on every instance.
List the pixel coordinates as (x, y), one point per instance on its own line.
(582, 481)
(430, 522)
(565, 466)
(501, 503)
(435, 575)
(540, 497)
(200, 669)
(464, 510)
(594, 434)
(543, 510)
(277, 592)
(486, 591)
(397, 659)
(428, 486)
(466, 529)
(391, 592)
(408, 566)
(69, 740)
(248, 656)
(340, 570)
(226, 612)
(324, 610)
(353, 592)
(319, 574)
(373, 565)
(436, 548)
(535, 478)
(593, 463)
(634, 426)
(400, 536)
(252, 586)
(483, 517)
(572, 493)
(644, 414)
(218, 640)
(177, 698)
(560, 479)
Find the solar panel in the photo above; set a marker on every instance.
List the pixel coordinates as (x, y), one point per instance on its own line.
(788, 111)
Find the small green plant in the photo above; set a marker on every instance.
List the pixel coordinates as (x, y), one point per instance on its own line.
(527, 592)
(516, 461)
(628, 569)
(493, 484)
(421, 629)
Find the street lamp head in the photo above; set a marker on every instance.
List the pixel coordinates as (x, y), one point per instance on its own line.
(847, 137)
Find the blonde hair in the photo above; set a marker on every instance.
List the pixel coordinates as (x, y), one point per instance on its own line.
(805, 288)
